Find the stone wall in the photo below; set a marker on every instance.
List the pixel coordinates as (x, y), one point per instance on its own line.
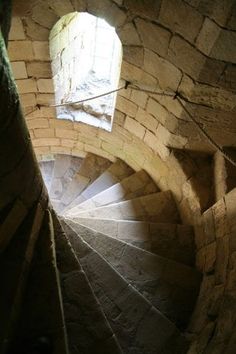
(214, 318)
(148, 128)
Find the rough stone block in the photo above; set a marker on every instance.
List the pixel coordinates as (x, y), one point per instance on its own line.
(136, 128)
(172, 15)
(139, 98)
(168, 76)
(44, 15)
(45, 99)
(151, 140)
(38, 123)
(147, 120)
(217, 10)
(45, 85)
(207, 36)
(222, 259)
(186, 57)
(26, 86)
(35, 31)
(225, 47)
(110, 11)
(170, 139)
(61, 124)
(134, 74)
(39, 69)
(128, 35)
(220, 219)
(41, 50)
(17, 30)
(44, 133)
(134, 55)
(28, 100)
(66, 134)
(19, 70)
(46, 142)
(61, 8)
(126, 106)
(144, 8)
(20, 50)
(158, 41)
(157, 110)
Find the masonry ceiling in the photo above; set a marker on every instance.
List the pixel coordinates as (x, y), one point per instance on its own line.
(186, 46)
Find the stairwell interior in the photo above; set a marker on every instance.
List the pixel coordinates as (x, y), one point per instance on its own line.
(121, 241)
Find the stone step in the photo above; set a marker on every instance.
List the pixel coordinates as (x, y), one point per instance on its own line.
(136, 185)
(118, 171)
(87, 327)
(91, 168)
(170, 286)
(46, 168)
(172, 241)
(65, 167)
(41, 327)
(156, 207)
(139, 327)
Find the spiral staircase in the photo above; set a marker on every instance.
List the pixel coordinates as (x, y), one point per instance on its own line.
(118, 267)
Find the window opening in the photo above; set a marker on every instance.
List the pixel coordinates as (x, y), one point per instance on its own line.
(86, 58)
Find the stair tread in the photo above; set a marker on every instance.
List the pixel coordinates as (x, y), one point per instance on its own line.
(157, 207)
(87, 327)
(91, 168)
(174, 241)
(65, 167)
(46, 168)
(136, 185)
(115, 173)
(135, 321)
(154, 276)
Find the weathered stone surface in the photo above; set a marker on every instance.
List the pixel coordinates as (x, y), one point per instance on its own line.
(26, 86)
(146, 8)
(20, 50)
(61, 8)
(185, 57)
(145, 272)
(41, 50)
(168, 76)
(217, 10)
(147, 120)
(158, 41)
(87, 326)
(148, 208)
(44, 15)
(128, 35)
(39, 69)
(19, 70)
(225, 47)
(133, 126)
(126, 311)
(208, 36)
(110, 11)
(136, 185)
(17, 30)
(45, 85)
(172, 14)
(34, 31)
(134, 55)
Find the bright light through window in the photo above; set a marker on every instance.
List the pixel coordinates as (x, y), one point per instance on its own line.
(86, 57)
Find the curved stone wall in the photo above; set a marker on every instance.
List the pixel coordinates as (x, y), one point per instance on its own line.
(159, 54)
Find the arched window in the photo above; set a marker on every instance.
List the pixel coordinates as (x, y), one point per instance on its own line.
(86, 58)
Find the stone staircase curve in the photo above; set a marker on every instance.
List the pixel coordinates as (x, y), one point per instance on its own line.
(125, 261)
